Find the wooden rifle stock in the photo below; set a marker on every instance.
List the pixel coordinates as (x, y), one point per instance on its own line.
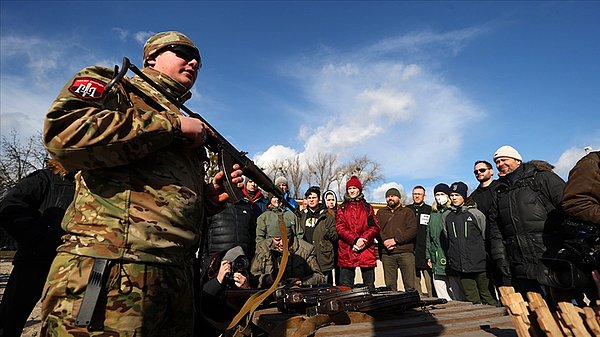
(215, 142)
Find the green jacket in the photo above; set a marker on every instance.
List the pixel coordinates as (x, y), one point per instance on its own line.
(302, 263)
(325, 239)
(270, 216)
(436, 247)
(140, 192)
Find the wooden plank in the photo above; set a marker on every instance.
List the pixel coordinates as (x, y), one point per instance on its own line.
(451, 319)
(591, 318)
(518, 312)
(571, 315)
(545, 320)
(496, 326)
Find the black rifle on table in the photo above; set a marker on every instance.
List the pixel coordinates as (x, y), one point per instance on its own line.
(228, 155)
(332, 300)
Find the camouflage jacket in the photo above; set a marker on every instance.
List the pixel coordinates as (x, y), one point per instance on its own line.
(139, 190)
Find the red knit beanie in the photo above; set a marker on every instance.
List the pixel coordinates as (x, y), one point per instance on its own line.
(354, 182)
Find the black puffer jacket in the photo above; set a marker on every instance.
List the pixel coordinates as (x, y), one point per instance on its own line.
(464, 230)
(31, 212)
(526, 218)
(231, 227)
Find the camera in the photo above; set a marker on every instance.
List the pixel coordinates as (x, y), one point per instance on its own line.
(572, 266)
(239, 265)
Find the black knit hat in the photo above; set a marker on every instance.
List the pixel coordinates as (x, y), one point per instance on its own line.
(460, 188)
(441, 187)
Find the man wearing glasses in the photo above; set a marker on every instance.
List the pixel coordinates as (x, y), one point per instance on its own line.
(484, 193)
(483, 196)
(125, 265)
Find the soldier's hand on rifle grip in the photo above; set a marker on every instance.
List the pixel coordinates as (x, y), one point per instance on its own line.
(216, 190)
(194, 130)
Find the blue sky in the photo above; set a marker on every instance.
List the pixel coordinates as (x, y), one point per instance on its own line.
(424, 88)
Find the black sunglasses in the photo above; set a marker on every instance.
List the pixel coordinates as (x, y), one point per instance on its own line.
(185, 52)
(481, 170)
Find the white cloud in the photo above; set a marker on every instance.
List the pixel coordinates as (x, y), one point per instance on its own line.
(34, 70)
(122, 33)
(388, 108)
(378, 194)
(142, 36)
(428, 41)
(273, 154)
(386, 100)
(569, 158)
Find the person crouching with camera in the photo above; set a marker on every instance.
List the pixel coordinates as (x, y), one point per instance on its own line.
(226, 271)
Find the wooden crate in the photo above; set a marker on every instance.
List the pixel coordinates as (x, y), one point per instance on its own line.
(534, 317)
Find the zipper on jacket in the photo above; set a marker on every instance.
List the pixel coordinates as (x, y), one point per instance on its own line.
(454, 229)
(466, 229)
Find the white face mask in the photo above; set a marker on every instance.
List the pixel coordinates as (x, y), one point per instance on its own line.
(441, 199)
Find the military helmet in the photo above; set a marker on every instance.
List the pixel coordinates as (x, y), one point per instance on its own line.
(159, 41)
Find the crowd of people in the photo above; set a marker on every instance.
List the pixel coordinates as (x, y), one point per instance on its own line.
(144, 239)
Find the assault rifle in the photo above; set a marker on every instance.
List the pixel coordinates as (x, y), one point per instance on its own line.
(329, 300)
(228, 155)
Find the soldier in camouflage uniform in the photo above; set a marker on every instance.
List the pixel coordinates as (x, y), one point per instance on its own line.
(140, 197)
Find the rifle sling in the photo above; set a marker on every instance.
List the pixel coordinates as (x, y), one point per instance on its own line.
(255, 300)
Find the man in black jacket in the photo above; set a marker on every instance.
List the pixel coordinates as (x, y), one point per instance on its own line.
(484, 196)
(523, 224)
(31, 212)
(233, 226)
(422, 212)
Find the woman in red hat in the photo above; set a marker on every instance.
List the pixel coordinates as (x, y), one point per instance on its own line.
(357, 228)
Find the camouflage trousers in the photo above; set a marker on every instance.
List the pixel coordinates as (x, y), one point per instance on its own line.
(140, 299)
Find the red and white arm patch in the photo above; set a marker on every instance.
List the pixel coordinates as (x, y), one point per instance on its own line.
(87, 88)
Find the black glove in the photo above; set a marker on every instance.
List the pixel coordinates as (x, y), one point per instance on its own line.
(503, 268)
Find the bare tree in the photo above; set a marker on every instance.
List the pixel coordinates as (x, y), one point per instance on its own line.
(296, 173)
(323, 168)
(367, 170)
(277, 168)
(18, 159)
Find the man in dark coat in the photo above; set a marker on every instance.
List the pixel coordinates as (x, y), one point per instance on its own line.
(526, 218)
(319, 231)
(484, 197)
(31, 212)
(581, 198)
(422, 212)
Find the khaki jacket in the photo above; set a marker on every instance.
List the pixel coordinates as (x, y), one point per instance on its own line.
(302, 263)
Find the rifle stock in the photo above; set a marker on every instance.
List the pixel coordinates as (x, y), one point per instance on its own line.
(215, 142)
